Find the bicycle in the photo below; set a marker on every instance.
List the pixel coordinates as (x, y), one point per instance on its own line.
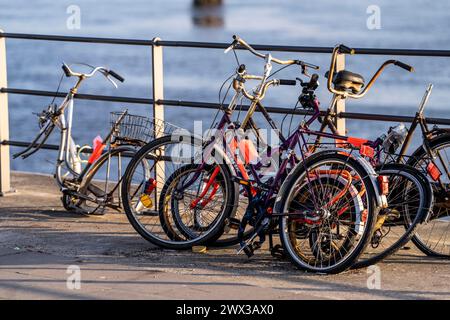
(431, 159)
(184, 215)
(410, 197)
(85, 187)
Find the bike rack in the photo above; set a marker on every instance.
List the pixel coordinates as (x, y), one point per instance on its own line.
(158, 101)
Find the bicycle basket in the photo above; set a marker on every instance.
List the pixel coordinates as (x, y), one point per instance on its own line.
(138, 128)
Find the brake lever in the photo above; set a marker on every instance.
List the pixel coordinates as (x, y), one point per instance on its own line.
(108, 77)
(305, 71)
(233, 44)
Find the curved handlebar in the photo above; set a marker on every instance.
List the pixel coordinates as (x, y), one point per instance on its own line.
(342, 49)
(239, 41)
(106, 72)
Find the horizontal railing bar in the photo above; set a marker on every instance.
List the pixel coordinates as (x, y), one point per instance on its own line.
(26, 144)
(136, 42)
(223, 45)
(391, 118)
(78, 96)
(308, 49)
(215, 106)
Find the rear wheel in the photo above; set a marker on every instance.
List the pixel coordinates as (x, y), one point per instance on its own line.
(409, 201)
(100, 190)
(433, 238)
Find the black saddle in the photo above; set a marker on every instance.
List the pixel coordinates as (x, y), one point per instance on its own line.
(346, 80)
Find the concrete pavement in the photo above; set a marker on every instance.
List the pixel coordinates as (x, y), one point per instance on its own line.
(39, 240)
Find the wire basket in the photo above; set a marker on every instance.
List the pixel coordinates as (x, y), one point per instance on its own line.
(134, 128)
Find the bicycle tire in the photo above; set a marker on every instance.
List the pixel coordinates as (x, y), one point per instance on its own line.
(288, 186)
(414, 160)
(170, 244)
(426, 197)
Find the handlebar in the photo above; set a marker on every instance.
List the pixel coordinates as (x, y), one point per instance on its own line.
(342, 49)
(239, 41)
(104, 71)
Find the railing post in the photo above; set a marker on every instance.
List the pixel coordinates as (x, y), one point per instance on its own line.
(158, 109)
(158, 86)
(5, 182)
(340, 104)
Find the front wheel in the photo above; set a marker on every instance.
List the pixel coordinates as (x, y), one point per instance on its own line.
(328, 209)
(172, 198)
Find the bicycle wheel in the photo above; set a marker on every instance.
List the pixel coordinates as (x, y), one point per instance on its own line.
(168, 216)
(229, 236)
(329, 209)
(409, 201)
(189, 220)
(100, 190)
(433, 238)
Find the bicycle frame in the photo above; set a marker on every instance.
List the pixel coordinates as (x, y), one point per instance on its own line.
(68, 161)
(297, 138)
(419, 120)
(67, 154)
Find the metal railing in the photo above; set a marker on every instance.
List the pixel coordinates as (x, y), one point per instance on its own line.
(157, 101)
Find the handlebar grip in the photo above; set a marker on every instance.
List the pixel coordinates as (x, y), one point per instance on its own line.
(287, 82)
(241, 68)
(346, 50)
(404, 66)
(66, 70)
(115, 75)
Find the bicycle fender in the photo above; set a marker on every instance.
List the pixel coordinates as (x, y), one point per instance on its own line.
(381, 200)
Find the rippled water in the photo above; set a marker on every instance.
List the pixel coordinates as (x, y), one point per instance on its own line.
(195, 74)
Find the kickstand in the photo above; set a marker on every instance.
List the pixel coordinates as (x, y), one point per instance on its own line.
(270, 241)
(278, 252)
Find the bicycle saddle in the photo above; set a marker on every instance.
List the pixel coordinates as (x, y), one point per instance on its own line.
(346, 80)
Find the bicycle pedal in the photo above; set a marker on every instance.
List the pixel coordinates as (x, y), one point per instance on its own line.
(248, 250)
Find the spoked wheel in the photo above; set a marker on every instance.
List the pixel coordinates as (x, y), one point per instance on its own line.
(229, 236)
(189, 201)
(409, 201)
(433, 237)
(187, 211)
(329, 209)
(100, 191)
